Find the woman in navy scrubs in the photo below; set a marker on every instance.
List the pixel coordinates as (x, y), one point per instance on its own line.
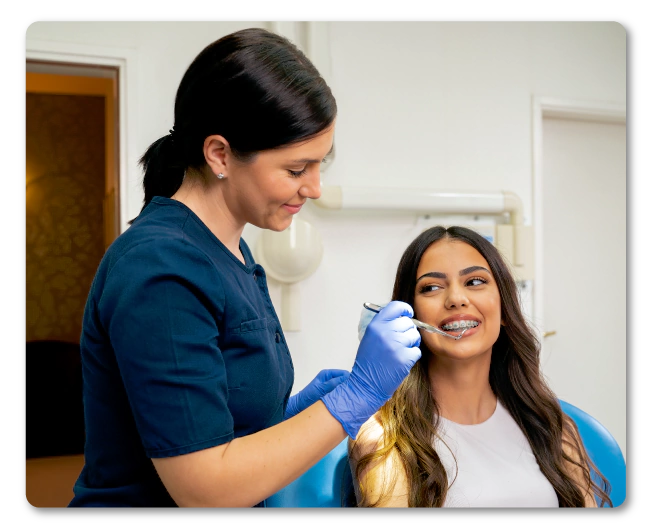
(187, 374)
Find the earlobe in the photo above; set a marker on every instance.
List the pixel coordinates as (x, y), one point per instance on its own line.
(216, 151)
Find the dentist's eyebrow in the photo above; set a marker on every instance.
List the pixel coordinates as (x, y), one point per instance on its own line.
(463, 272)
(305, 160)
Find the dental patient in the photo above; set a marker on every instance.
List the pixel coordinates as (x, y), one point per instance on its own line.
(474, 424)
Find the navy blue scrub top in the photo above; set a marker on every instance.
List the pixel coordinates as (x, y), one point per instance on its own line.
(181, 351)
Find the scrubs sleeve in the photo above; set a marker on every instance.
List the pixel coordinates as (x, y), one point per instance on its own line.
(161, 307)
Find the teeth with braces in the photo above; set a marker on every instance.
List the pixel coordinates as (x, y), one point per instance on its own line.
(460, 324)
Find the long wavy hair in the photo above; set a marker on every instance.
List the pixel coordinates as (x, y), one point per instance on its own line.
(410, 418)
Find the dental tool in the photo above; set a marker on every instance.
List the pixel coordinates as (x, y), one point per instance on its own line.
(427, 327)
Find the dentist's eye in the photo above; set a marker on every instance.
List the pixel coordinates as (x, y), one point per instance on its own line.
(299, 173)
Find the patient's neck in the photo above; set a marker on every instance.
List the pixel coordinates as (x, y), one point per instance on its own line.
(462, 388)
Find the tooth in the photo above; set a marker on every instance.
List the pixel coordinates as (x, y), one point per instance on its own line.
(455, 324)
(463, 324)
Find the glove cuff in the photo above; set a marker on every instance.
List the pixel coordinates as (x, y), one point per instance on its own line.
(352, 406)
(292, 407)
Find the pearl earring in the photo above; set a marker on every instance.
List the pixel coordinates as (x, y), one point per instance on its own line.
(220, 176)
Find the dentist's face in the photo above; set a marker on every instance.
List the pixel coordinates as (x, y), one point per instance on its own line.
(268, 191)
(455, 289)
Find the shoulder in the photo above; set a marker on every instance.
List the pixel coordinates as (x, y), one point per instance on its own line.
(145, 263)
(150, 248)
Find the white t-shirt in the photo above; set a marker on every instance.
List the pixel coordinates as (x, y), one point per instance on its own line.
(496, 466)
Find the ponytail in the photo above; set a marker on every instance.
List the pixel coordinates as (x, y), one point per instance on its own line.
(163, 168)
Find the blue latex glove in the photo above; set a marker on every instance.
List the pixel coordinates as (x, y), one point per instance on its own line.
(386, 354)
(323, 383)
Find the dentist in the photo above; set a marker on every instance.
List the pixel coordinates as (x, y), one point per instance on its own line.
(187, 374)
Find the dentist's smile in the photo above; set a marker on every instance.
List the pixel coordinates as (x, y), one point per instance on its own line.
(292, 209)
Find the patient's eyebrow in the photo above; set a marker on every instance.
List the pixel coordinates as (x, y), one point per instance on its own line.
(472, 269)
(432, 274)
(462, 272)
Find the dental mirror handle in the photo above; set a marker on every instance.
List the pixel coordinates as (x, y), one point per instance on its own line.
(427, 327)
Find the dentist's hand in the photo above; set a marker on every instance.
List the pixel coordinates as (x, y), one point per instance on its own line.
(323, 383)
(386, 354)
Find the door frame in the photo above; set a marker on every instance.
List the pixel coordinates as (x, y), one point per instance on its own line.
(574, 109)
(103, 86)
(124, 60)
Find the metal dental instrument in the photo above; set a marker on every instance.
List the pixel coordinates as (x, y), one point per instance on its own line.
(426, 327)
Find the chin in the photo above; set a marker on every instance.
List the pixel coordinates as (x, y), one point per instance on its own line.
(281, 225)
(458, 352)
(275, 224)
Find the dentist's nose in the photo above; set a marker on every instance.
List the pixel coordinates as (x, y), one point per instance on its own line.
(311, 187)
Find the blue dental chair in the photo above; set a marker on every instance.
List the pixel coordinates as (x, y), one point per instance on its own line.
(603, 450)
(328, 483)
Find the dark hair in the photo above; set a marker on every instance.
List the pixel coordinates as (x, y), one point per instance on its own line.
(410, 418)
(253, 87)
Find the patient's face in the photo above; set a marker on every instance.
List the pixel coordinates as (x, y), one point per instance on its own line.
(455, 289)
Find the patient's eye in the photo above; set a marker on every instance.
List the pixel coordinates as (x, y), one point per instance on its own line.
(476, 281)
(428, 288)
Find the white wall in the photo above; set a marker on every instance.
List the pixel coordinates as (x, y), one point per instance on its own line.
(421, 104)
